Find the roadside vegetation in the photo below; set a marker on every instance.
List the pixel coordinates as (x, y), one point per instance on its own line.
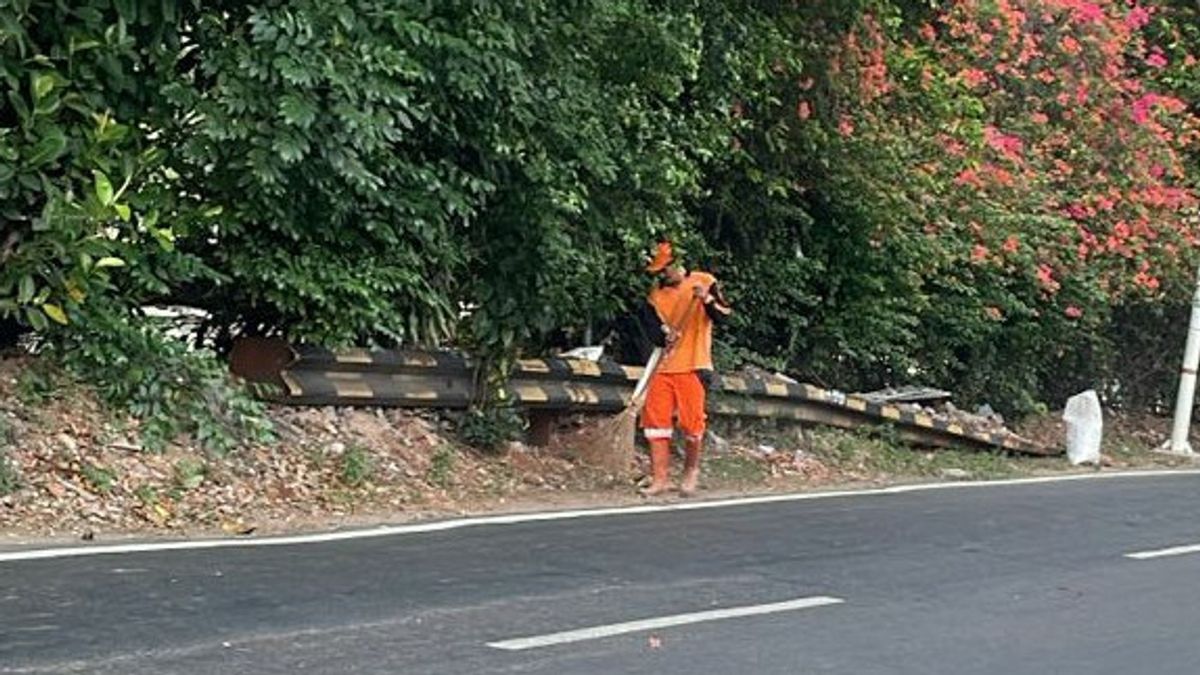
(993, 197)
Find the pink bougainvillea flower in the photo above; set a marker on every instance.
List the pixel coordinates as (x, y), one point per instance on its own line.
(1137, 18)
(1142, 106)
(968, 177)
(846, 126)
(1045, 277)
(1006, 144)
(974, 77)
(1088, 12)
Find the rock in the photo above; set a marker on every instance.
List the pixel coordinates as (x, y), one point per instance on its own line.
(766, 449)
(956, 474)
(67, 442)
(335, 449)
(516, 447)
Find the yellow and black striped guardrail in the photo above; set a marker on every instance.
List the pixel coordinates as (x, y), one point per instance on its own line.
(424, 379)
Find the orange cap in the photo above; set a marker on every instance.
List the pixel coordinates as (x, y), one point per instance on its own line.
(663, 256)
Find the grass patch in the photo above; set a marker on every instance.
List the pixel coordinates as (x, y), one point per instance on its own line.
(357, 466)
(100, 479)
(7, 434)
(40, 383)
(441, 467)
(736, 469)
(878, 451)
(147, 495)
(190, 473)
(10, 479)
(867, 453)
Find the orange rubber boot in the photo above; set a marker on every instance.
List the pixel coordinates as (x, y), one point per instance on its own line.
(660, 458)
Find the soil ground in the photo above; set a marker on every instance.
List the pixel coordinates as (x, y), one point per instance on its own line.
(69, 469)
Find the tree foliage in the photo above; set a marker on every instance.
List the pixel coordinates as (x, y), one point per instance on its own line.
(972, 193)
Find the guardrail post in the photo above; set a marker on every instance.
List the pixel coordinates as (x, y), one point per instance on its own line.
(541, 425)
(1186, 397)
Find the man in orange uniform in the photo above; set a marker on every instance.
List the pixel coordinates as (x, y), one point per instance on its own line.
(680, 310)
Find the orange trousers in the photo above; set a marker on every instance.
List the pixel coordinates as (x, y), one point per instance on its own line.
(674, 394)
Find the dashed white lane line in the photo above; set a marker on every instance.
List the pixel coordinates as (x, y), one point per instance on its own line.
(609, 630)
(1164, 552)
(511, 519)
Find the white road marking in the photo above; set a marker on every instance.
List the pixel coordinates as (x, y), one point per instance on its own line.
(597, 632)
(1164, 552)
(518, 518)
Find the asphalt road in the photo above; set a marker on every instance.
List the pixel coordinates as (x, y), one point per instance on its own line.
(1029, 578)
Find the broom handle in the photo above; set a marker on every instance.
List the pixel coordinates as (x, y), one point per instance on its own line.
(647, 372)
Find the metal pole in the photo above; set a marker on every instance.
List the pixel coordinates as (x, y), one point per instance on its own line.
(1186, 397)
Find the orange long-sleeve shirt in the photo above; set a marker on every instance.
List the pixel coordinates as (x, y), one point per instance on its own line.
(678, 307)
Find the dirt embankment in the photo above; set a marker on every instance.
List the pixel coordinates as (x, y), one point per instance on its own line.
(73, 469)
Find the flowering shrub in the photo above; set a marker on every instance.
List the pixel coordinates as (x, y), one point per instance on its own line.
(1031, 159)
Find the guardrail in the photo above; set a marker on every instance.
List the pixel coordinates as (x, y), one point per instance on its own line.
(422, 379)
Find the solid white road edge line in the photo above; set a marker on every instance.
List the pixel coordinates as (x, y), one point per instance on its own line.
(517, 518)
(1164, 552)
(597, 632)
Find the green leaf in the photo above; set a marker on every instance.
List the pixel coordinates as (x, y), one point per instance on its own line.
(36, 319)
(26, 290)
(56, 313)
(112, 132)
(18, 104)
(297, 111)
(104, 188)
(48, 149)
(82, 45)
(110, 261)
(165, 238)
(123, 211)
(42, 84)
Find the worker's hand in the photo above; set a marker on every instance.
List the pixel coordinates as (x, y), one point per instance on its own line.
(672, 336)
